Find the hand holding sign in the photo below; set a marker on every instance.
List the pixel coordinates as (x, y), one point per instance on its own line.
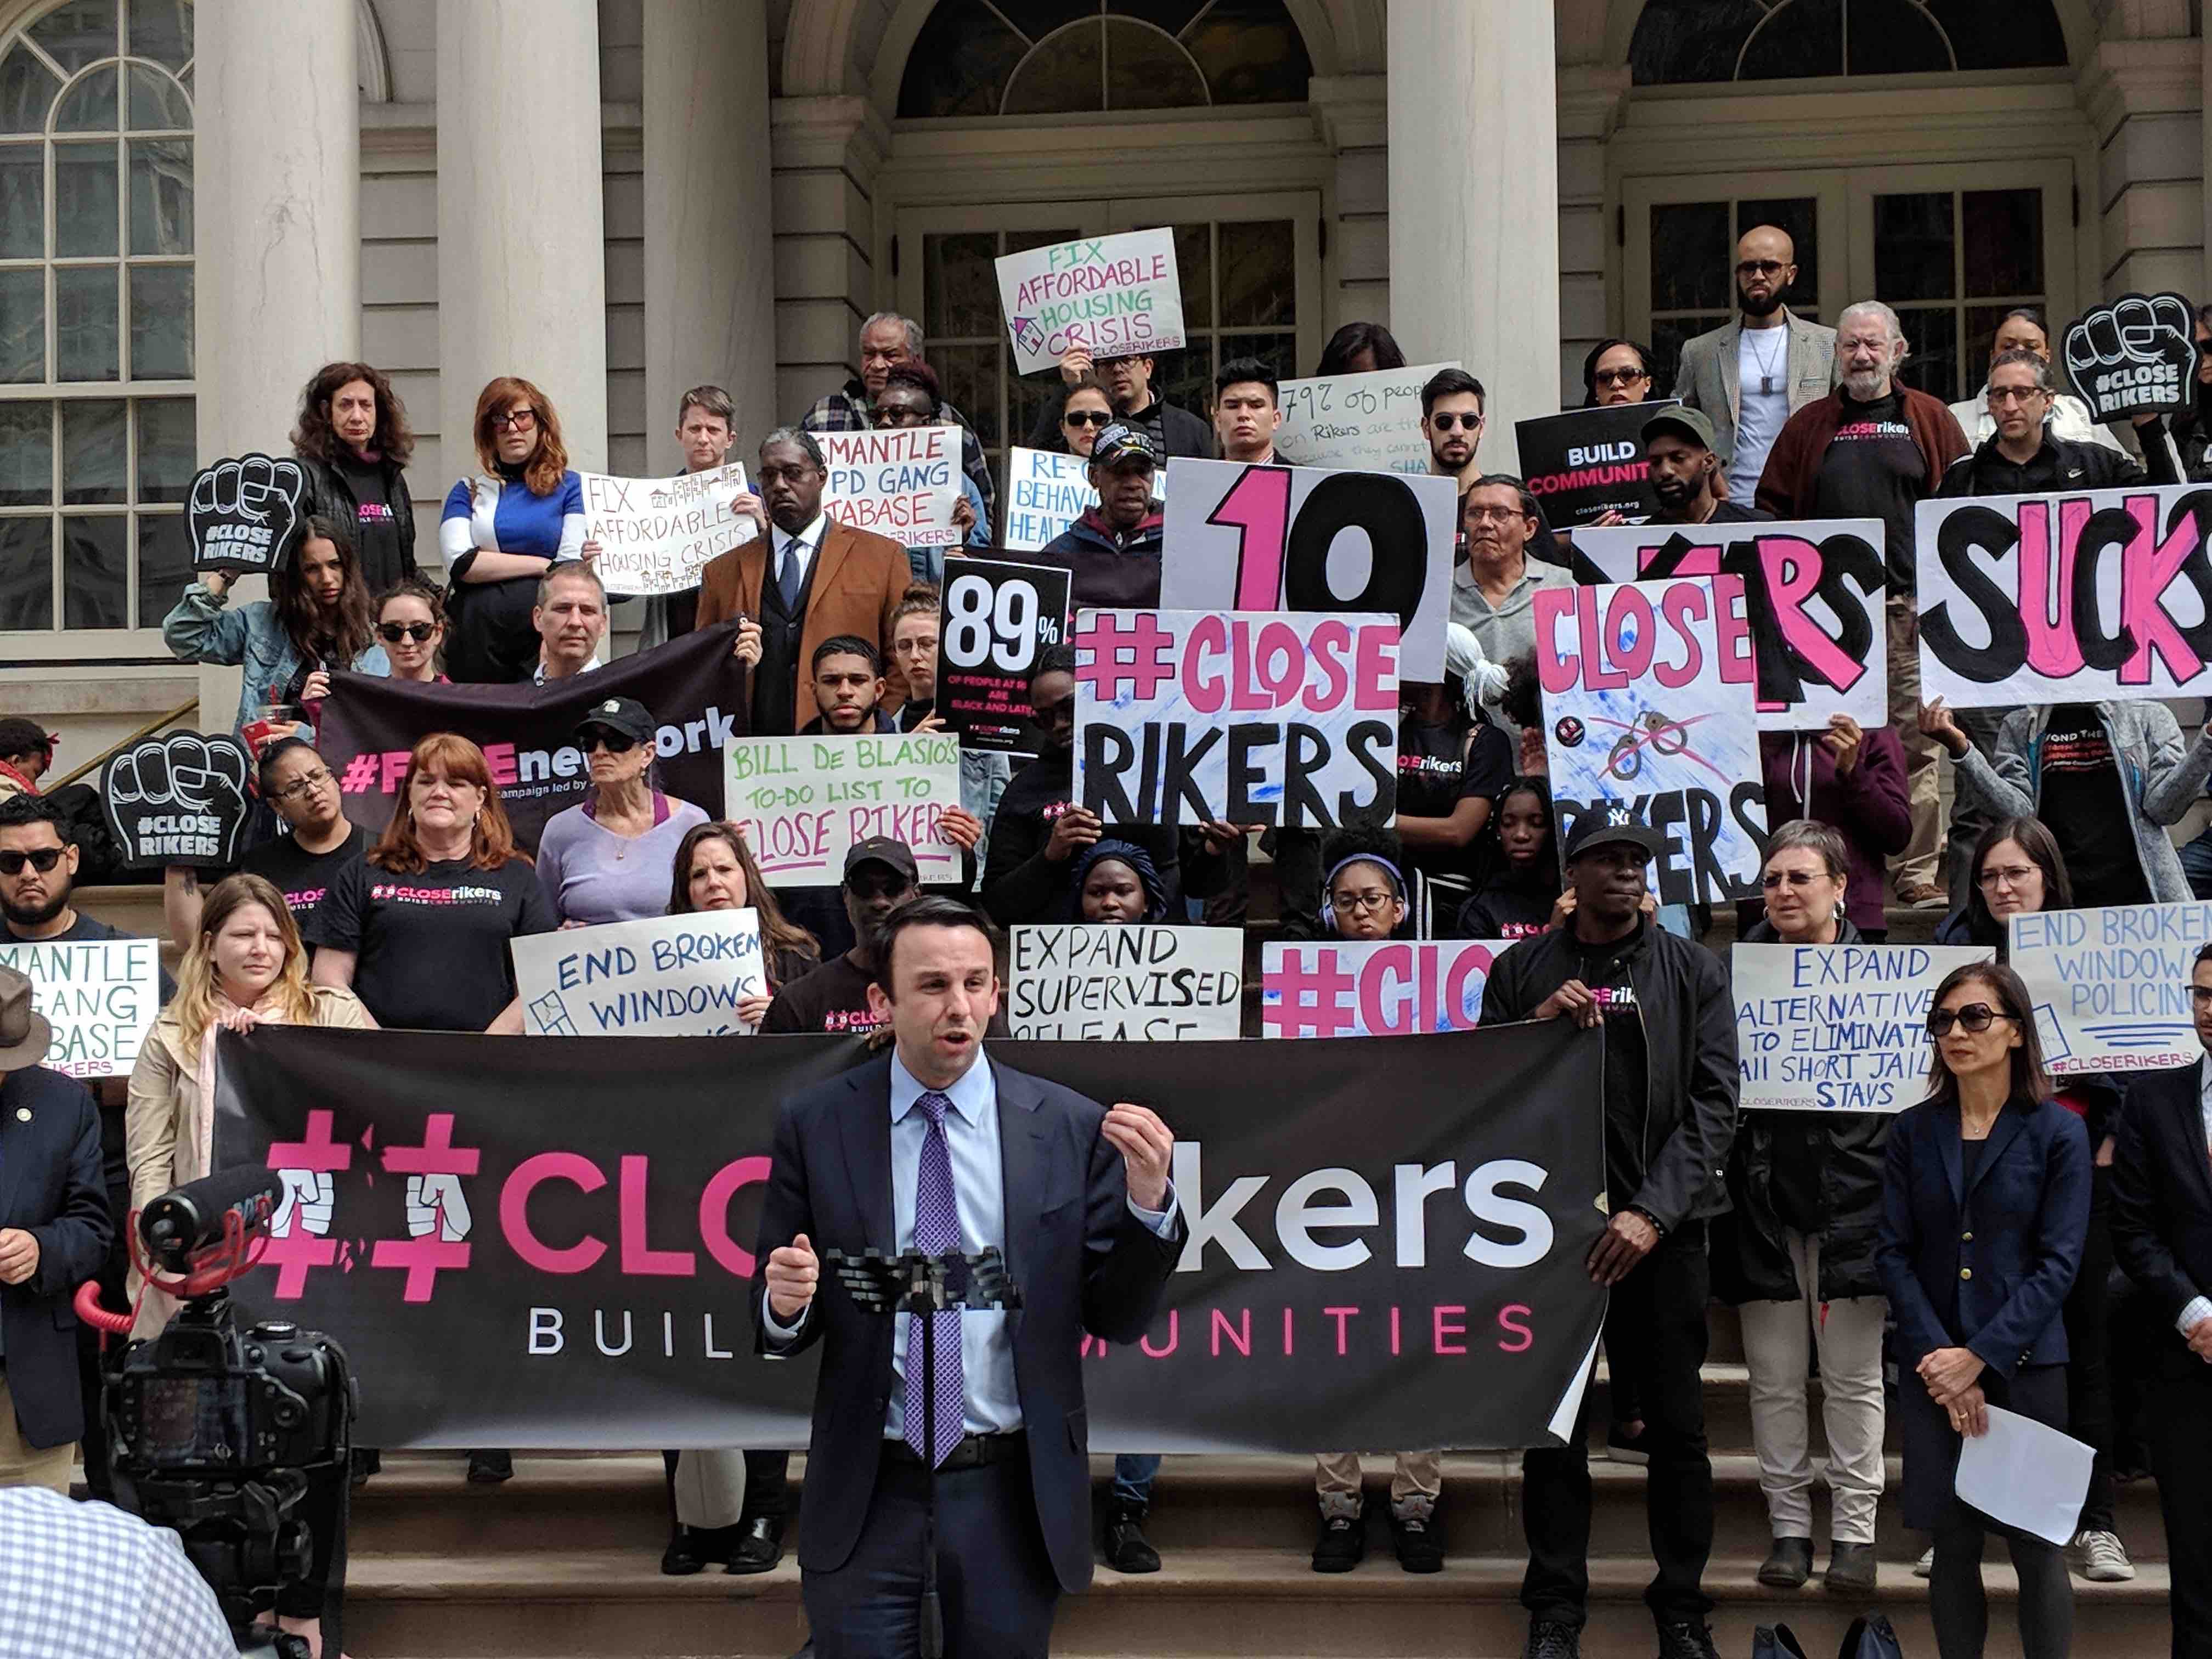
(177, 800)
(2134, 356)
(242, 514)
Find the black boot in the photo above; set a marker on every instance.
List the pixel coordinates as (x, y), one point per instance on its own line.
(1126, 1549)
(1787, 1564)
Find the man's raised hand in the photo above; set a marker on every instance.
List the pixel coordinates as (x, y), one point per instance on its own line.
(793, 1273)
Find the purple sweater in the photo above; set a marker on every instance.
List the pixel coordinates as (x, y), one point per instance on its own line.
(1870, 808)
(592, 875)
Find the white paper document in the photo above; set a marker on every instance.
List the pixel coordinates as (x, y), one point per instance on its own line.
(2026, 1475)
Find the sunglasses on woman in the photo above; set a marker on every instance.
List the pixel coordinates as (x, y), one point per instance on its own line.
(598, 737)
(392, 633)
(1975, 1017)
(1087, 417)
(42, 859)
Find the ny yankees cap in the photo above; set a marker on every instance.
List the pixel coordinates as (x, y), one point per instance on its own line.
(1608, 824)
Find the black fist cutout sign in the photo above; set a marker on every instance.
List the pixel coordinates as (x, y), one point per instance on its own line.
(2136, 355)
(177, 800)
(244, 514)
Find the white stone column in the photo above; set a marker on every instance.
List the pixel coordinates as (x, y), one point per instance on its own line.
(710, 261)
(1474, 208)
(522, 255)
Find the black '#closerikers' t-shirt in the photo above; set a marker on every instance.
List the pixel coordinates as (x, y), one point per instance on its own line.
(1438, 767)
(1874, 470)
(431, 949)
(2080, 797)
(304, 877)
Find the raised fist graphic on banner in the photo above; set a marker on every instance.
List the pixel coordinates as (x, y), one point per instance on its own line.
(177, 800)
(2134, 356)
(435, 1204)
(242, 514)
(310, 1197)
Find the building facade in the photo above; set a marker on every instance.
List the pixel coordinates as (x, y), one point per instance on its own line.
(200, 204)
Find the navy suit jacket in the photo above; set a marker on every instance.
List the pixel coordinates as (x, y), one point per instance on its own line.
(1081, 1260)
(2162, 1194)
(51, 1187)
(1986, 1269)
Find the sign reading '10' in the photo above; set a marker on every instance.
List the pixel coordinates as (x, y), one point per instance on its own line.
(1241, 538)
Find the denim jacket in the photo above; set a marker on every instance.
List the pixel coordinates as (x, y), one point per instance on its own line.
(203, 629)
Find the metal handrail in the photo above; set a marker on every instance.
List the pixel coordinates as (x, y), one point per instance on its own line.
(145, 731)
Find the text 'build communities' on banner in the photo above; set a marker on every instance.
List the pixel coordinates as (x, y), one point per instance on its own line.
(1389, 1269)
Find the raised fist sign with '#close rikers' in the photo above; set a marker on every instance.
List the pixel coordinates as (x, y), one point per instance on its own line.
(177, 800)
(2136, 355)
(243, 514)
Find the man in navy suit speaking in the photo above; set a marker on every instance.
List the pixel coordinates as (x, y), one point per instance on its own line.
(936, 1148)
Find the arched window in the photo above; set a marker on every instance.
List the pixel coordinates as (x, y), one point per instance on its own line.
(1070, 56)
(1679, 42)
(96, 417)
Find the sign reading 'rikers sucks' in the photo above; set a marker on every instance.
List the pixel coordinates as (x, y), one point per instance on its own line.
(2076, 597)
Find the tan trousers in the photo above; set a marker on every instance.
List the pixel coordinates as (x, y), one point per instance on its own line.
(1417, 1479)
(21, 1466)
(710, 1487)
(1917, 863)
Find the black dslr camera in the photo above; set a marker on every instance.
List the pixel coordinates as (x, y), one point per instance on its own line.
(217, 1430)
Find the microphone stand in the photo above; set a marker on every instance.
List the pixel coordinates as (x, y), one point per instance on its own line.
(923, 1285)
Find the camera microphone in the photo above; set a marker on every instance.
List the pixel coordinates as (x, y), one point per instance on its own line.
(180, 1225)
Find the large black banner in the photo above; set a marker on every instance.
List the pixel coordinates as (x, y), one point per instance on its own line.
(694, 687)
(547, 1241)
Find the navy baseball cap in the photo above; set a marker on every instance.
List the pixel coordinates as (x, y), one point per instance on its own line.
(1610, 823)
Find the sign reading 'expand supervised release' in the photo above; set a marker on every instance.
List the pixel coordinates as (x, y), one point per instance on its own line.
(1088, 982)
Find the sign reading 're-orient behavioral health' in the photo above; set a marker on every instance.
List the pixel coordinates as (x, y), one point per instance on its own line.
(100, 996)
(1373, 987)
(1048, 491)
(2076, 597)
(658, 976)
(1363, 423)
(656, 534)
(1112, 296)
(1813, 595)
(994, 620)
(1584, 463)
(1240, 537)
(903, 482)
(1186, 717)
(1086, 982)
(2110, 985)
(1840, 1028)
(1648, 702)
(802, 801)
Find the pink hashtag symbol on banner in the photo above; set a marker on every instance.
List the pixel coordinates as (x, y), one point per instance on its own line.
(1109, 656)
(296, 1250)
(1313, 994)
(359, 775)
(424, 1258)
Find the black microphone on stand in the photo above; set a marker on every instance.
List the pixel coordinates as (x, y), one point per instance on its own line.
(181, 1223)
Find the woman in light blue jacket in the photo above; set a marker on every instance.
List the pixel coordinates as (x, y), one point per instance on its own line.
(318, 617)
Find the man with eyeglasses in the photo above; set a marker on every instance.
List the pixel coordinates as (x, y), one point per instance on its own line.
(1493, 593)
(571, 619)
(911, 397)
(1750, 375)
(888, 340)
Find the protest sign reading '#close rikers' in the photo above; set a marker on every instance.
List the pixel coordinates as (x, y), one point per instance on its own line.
(901, 481)
(802, 801)
(1088, 982)
(2074, 597)
(1837, 1027)
(1240, 537)
(1373, 987)
(2133, 355)
(994, 620)
(658, 976)
(100, 996)
(656, 534)
(2110, 985)
(1364, 422)
(1184, 717)
(245, 515)
(1047, 492)
(1812, 592)
(179, 798)
(1114, 296)
(1648, 702)
(1585, 462)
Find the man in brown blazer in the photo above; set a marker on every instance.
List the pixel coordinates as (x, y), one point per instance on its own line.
(808, 579)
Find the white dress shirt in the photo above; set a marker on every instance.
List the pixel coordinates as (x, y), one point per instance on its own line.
(2200, 1307)
(805, 545)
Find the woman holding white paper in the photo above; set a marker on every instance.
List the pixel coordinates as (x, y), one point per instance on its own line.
(1985, 1203)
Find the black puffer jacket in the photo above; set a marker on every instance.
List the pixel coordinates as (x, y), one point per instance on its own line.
(1750, 1257)
(330, 497)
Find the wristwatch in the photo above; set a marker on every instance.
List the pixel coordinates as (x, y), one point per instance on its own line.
(1657, 1225)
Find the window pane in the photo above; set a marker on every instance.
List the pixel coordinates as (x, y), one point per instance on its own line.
(161, 30)
(1895, 37)
(22, 326)
(1185, 379)
(22, 202)
(1912, 246)
(1691, 255)
(95, 458)
(165, 564)
(1193, 246)
(1989, 34)
(970, 376)
(960, 62)
(166, 442)
(959, 289)
(161, 323)
(1678, 41)
(79, 32)
(1668, 336)
(89, 104)
(1803, 39)
(27, 92)
(1279, 351)
(1252, 53)
(157, 103)
(27, 574)
(1933, 363)
(1800, 215)
(2003, 242)
(1145, 70)
(1034, 398)
(26, 454)
(87, 340)
(1259, 274)
(96, 566)
(160, 195)
(1061, 75)
(84, 201)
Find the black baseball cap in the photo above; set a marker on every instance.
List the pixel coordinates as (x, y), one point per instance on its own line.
(1679, 417)
(624, 716)
(894, 855)
(1609, 823)
(1120, 441)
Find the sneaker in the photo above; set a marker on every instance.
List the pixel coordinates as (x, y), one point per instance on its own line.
(1623, 1447)
(1342, 1544)
(1851, 1569)
(1926, 1564)
(1691, 1639)
(1787, 1564)
(1127, 1548)
(1924, 896)
(2100, 1558)
(1550, 1640)
(488, 1468)
(1419, 1545)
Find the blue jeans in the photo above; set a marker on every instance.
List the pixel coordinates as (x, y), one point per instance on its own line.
(1132, 1477)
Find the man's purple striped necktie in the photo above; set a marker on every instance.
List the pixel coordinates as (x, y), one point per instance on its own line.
(936, 1230)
